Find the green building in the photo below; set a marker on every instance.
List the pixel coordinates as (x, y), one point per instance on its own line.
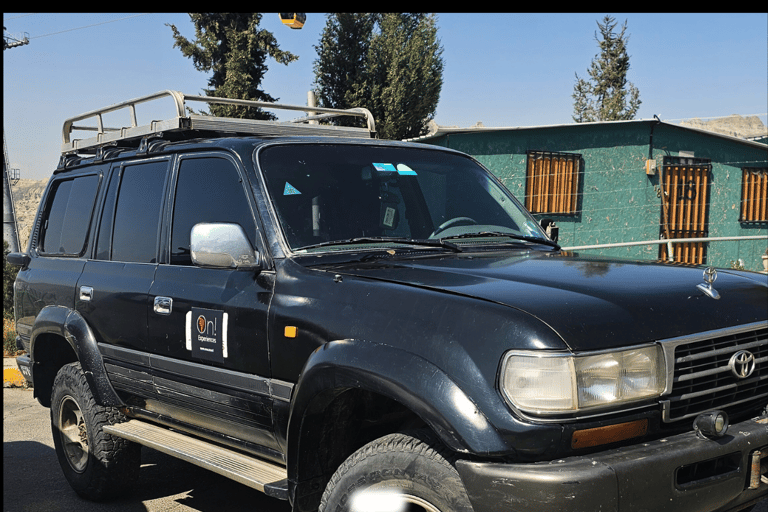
(633, 181)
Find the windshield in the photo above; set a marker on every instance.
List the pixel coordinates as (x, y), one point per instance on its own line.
(360, 194)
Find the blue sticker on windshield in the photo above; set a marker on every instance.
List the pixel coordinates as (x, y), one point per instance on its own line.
(405, 170)
(384, 167)
(290, 190)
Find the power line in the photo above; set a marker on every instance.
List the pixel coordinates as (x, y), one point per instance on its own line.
(90, 26)
(22, 16)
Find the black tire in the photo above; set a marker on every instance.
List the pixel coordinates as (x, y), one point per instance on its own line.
(97, 465)
(414, 466)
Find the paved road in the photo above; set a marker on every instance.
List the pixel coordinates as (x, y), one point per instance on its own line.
(33, 482)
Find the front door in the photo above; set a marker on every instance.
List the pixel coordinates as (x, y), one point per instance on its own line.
(207, 327)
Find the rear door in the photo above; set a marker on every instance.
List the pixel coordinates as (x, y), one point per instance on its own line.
(112, 291)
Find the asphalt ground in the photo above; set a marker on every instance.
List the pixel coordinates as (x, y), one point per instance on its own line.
(33, 481)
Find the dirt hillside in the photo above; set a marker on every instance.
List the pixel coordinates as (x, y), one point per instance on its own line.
(26, 198)
(735, 126)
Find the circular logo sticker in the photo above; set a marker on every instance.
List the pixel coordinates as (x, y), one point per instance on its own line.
(201, 324)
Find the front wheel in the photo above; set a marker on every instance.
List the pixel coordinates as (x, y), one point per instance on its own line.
(97, 465)
(403, 472)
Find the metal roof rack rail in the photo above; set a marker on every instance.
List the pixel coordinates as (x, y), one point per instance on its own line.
(185, 122)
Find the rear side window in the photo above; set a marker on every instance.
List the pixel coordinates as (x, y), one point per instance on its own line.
(137, 213)
(68, 218)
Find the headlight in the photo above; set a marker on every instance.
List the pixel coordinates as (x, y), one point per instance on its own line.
(542, 383)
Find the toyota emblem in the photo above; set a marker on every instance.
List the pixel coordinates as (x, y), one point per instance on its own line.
(742, 364)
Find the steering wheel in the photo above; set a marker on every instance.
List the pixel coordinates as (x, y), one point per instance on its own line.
(456, 221)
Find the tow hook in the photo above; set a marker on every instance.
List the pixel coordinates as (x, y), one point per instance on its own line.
(759, 471)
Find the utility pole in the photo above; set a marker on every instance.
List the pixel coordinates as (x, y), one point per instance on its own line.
(10, 228)
(13, 42)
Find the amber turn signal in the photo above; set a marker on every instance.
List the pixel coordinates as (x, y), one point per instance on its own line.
(610, 434)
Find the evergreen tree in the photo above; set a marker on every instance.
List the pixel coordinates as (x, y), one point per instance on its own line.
(341, 69)
(235, 49)
(607, 96)
(389, 63)
(9, 276)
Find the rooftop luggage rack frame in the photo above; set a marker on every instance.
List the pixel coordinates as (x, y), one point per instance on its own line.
(206, 125)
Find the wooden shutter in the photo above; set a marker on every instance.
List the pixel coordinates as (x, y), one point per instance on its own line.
(685, 204)
(552, 182)
(754, 195)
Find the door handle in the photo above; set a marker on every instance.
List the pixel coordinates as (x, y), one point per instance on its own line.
(163, 305)
(86, 293)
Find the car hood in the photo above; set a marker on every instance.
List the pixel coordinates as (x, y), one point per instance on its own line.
(590, 302)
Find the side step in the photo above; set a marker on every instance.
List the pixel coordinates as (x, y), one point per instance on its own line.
(258, 474)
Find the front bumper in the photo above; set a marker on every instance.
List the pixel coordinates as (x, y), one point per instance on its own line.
(683, 473)
(25, 367)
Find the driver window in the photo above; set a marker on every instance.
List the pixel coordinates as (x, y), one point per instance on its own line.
(208, 190)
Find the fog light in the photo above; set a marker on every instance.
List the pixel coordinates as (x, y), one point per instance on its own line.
(711, 424)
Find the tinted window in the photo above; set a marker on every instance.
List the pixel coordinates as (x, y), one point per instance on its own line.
(208, 190)
(335, 194)
(69, 215)
(107, 217)
(137, 213)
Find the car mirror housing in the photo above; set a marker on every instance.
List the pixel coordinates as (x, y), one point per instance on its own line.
(220, 245)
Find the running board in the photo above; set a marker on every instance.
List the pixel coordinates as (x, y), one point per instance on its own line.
(266, 477)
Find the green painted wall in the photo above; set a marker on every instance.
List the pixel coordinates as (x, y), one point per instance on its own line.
(619, 202)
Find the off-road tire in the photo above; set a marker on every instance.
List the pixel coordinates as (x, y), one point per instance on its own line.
(97, 465)
(415, 463)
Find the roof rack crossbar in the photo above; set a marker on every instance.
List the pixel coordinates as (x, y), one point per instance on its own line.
(184, 121)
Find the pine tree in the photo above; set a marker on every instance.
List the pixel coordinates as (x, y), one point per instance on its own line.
(235, 49)
(389, 63)
(607, 96)
(341, 68)
(9, 276)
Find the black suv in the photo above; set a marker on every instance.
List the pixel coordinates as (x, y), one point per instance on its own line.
(331, 319)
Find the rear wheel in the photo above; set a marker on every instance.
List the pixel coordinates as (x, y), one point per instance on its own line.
(97, 465)
(405, 472)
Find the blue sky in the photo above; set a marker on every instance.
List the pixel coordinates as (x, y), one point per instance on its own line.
(502, 69)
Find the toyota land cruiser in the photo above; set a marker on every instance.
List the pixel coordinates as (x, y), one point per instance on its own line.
(328, 318)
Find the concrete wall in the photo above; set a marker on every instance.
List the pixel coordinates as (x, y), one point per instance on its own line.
(619, 202)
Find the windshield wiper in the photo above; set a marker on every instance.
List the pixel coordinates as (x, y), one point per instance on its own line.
(500, 234)
(385, 239)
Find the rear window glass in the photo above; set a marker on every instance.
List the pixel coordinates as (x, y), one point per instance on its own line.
(137, 213)
(69, 216)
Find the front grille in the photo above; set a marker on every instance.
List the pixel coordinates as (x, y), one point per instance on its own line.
(704, 378)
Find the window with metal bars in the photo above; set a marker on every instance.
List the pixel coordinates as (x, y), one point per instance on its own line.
(754, 194)
(685, 207)
(552, 182)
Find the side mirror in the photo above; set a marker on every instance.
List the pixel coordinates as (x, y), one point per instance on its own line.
(18, 259)
(549, 227)
(220, 245)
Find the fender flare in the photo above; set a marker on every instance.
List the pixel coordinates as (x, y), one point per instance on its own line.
(399, 375)
(71, 326)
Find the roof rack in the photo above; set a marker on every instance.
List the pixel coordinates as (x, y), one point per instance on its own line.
(206, 125)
